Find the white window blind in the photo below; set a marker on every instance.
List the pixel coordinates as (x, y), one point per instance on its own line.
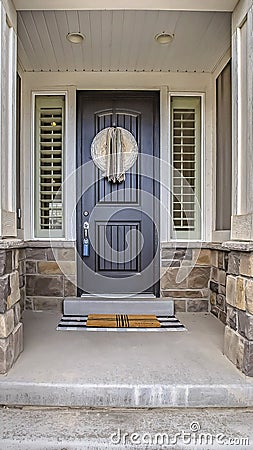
(49, 146)
(186, 173)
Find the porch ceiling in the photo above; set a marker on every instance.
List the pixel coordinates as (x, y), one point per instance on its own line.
(122, 40)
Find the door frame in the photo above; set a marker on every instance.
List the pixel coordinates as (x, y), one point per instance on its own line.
(156, 181)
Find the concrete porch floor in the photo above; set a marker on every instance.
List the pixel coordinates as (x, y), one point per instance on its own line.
(174, 369)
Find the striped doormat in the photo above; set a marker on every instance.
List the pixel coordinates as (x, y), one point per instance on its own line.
(120, 322)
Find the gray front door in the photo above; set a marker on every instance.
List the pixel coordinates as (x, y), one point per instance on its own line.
(123, 217)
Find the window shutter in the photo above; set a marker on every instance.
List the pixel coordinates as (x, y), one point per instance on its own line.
(186, 143)
(49, 162)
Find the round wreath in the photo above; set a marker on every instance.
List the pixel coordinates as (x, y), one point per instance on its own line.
(100, 151)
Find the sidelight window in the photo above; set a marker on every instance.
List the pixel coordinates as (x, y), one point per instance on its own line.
(186, 167)
(49, 147)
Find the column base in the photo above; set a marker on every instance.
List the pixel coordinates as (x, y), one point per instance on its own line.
(239, 351)
(10, 348)
(242, 227)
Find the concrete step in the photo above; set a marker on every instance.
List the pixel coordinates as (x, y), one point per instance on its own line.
(84, 395)
(117, 305)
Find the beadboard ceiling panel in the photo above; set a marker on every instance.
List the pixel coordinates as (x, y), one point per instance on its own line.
(122, 40)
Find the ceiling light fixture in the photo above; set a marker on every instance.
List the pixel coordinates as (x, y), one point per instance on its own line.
(164, 38)
(75, 37)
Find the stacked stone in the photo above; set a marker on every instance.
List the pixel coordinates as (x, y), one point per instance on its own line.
(238, 342)
(50, 276)
(185, 277)
(219, 266)
(11, 328)
(22, 285)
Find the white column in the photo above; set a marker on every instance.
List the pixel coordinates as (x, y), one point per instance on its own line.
(8, 63)
(242, 95)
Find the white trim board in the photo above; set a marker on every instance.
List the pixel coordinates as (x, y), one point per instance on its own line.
(240, 13)
(176, 5)
(216, 234)
(206, 210)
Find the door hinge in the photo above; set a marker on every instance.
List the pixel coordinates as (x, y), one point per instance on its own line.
(19, 213)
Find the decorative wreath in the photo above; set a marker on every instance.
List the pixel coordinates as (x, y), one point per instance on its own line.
(114, 150)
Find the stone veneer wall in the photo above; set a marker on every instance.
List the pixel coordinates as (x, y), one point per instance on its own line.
(219, 268)
(12, 294)
(231, 300)
(238, 340)
(191, 293)
(50, 275)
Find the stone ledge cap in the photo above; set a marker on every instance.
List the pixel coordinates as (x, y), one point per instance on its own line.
(183, 244)
(61, 243)
(240, 246)
(193, 244)
(11, 243)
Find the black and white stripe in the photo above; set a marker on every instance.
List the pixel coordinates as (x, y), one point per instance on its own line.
(78, 323)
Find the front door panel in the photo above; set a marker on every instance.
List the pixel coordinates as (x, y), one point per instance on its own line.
(123, 217)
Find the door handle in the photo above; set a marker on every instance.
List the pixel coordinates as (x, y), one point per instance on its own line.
(86, 240)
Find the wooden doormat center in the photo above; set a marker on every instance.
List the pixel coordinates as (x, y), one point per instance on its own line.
(120, 322)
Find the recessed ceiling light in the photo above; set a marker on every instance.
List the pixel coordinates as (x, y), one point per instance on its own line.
(164, 38)
(75, 37)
